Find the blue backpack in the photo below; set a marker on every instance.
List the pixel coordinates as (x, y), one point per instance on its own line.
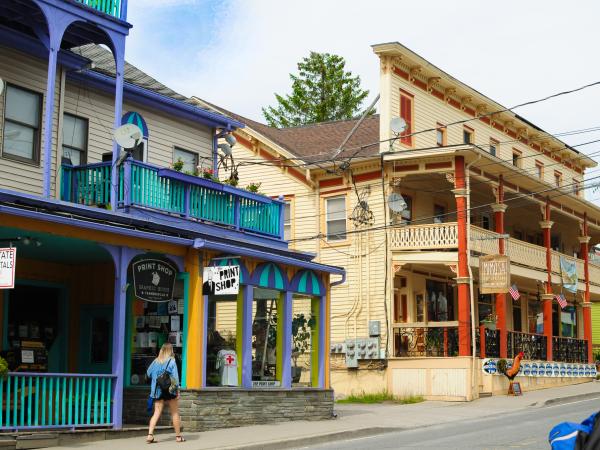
(576, 436)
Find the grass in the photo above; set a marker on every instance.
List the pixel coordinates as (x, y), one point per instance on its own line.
(380, 397)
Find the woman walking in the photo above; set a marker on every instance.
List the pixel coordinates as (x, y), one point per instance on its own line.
(164, 389)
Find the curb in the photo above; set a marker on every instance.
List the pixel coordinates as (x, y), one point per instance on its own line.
(314, 439)
(569, 398)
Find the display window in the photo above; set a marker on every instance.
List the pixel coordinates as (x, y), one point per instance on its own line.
(223, 340)
(267, 334)
(440, 301)
(305, 335)
(152, 324)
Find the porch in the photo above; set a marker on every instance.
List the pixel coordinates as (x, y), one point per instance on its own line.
(145, 188)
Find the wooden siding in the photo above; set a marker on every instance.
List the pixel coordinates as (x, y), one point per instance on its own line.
(30, 73)
(596, 324)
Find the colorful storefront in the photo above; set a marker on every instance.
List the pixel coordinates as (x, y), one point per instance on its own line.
(97, 293)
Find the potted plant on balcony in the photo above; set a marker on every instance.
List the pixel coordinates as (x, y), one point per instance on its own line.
(301, 333)
(489, 321)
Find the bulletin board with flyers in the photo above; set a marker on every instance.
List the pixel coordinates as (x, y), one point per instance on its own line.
(153, 324)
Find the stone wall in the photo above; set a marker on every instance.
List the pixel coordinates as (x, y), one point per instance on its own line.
(223, 408)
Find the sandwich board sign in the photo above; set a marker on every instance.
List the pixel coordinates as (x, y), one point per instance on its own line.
(8, 261)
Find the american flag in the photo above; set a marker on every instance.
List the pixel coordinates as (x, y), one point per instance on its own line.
(514, 292)
(562, 301)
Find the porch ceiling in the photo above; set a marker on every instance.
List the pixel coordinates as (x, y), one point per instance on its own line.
(54, 248)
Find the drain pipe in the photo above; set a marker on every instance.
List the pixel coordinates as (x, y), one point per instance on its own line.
(473, 349)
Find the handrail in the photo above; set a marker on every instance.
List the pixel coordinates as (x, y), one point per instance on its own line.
(113, 8)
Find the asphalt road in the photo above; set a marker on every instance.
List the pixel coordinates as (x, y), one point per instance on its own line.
(525, 429)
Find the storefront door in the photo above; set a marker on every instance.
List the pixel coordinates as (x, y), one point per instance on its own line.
(95, 341)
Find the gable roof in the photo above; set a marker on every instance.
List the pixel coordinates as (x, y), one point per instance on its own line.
(319, 141)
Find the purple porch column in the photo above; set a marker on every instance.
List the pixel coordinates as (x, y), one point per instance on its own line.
(215, 155)
(322, 348)
(119, 54)
(58, 22)
(286, 357)
(247, 337)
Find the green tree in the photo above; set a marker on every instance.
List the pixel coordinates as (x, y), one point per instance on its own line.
(322, 90)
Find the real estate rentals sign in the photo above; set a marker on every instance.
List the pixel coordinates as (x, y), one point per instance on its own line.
(8, 260)
(494, 274)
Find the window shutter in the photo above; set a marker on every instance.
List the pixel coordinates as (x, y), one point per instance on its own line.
(406, 114)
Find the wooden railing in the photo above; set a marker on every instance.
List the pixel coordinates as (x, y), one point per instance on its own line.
(45, 400)
(431, 340)
(424, 237)
(171, 192)
(110, 7)
(86, 185)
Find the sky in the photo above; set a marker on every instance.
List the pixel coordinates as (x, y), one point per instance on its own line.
(238, 53)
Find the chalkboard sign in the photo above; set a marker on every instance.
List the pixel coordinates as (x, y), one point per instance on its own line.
(515, 388)
(153, 280)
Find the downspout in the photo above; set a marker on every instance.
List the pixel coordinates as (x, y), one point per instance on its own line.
(473, 343)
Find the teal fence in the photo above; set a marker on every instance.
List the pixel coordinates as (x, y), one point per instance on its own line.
(110, 7)
(86, 185)
(40, 400)
(195, 198)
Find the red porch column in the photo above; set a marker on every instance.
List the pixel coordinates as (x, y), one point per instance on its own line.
(499, 210)
(584, 241)
(462, 280)
(546, 226)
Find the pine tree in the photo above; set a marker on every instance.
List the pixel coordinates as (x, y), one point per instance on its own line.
(321, 91)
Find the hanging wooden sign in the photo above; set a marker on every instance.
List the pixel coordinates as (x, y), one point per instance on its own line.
(153, 279)
(494, 274)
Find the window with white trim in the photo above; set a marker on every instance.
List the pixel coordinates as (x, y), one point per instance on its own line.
(75, 139)
(336, 218)
(188, 158)
(22, 124)
(287, 220)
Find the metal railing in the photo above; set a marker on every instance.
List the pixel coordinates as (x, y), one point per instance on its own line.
(569, 349)
(534, 346)
(432, 341)
(46, 400)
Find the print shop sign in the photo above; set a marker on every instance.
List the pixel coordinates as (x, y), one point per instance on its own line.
(494, 274)
(153, 280)
(8, 259)
(221, 280)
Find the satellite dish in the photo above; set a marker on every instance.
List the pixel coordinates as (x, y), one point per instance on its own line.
(396, 203)
(398, 125)
(231, 140)
(225, 148)
(128, 135)
(1, 85)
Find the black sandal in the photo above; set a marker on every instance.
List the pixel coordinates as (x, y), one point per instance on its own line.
(150, 440)
(179, 438)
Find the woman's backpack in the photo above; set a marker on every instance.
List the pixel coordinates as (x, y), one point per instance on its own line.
(163, 381)
(576, 436)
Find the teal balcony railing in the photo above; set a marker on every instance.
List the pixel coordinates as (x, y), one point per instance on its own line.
(110, 7)
(46, 400)
(165, 190)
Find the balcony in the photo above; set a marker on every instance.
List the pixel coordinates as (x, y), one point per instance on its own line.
(110, 7)
(436, 340)
(146, 187)
(444, 236)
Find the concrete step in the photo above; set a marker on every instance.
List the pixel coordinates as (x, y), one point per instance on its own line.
(36, 440)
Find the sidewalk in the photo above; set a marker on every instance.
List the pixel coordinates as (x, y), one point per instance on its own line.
(355, 421)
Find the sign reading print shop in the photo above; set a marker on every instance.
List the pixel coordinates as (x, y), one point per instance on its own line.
(494, 274)
(153, 279)
(221, 280)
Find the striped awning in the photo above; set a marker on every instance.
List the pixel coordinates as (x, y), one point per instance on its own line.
(270, 275)
(226, 261)
(136, 119)
(307, 282)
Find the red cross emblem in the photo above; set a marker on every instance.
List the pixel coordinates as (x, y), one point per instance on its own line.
(229, 359)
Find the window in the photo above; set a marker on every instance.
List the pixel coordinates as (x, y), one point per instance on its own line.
(576, 187)
(535, 317)
(557, 178)
(406, 113)
(516, 158)
(568, 321)
(440, 301)
(485, 307)
(287, 220)
(75, 137)
(517, 316)
(440, 135)
(539, 170)
(493, 146)
(22, 118)
(468, 135)
(439, 213)
(336, 218)
(189, 159)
